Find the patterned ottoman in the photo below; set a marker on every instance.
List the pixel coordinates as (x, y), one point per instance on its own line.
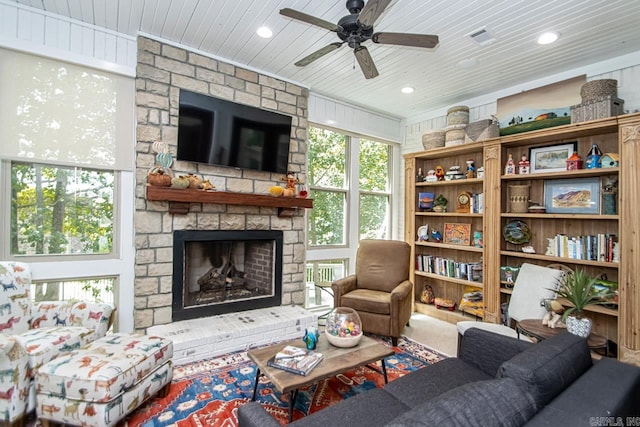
(102, 382)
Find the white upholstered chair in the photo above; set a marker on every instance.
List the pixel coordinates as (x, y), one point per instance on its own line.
(533, 284)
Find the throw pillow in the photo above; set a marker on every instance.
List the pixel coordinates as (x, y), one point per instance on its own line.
(547, 368)
(491, 403)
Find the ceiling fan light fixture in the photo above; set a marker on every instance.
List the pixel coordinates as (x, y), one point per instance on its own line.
(407, 89)
(264, 32)
(548, 37)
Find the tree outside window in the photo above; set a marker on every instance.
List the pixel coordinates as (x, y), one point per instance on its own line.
(60, 210)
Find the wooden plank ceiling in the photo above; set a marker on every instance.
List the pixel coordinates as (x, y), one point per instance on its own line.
(590, 31)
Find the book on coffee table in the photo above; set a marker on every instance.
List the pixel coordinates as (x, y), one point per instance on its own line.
(296, 360)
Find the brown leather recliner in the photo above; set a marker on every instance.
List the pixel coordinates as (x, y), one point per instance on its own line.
(380, 290)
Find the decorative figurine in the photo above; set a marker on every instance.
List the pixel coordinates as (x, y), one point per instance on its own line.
(593, 157)
(420, 176)
(471, 169)
(477, 239)
(574, 162)
(431, 176)
(510, 166)
(440, 173)
(436, 236)
(311, 337)
(481, 172)
(523, 165)
(291, 180)
(440, 204)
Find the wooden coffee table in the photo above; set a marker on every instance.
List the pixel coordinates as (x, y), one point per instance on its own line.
(336, 360)
(534, 328)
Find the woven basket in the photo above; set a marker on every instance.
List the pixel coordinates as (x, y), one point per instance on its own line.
(458, 115)
(433, 139)
(481, 130)
(454, 135)
(599, 88)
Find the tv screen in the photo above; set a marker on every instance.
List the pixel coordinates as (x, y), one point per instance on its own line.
(223, 133)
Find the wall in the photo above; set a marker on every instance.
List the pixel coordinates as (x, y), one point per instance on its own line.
(162, 70)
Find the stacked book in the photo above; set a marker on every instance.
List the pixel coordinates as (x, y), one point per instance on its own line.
(296, 360)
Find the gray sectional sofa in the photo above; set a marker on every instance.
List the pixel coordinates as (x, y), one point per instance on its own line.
(494, 381)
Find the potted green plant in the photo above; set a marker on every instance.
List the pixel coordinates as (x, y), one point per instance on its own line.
(580, 290)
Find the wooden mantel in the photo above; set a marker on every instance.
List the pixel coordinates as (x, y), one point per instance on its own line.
(179, 199)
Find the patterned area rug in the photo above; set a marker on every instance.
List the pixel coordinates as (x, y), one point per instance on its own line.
(209, 392)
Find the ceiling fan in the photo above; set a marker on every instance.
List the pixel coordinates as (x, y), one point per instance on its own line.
(356, 28)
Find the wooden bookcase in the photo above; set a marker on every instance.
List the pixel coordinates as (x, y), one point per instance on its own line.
(615, 135)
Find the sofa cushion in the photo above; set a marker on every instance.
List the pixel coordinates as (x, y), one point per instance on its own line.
(368, 301)
(495, 402)
(91, 315)
(609, 388)
(419, 386)
(372, 408)
(547, 368)
(45, 344)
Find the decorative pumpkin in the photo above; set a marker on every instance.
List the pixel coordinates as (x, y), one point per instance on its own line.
(276, 190)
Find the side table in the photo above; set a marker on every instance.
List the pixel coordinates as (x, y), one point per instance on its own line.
(535, 329)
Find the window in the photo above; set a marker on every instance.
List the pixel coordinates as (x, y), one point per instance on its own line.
(327, 184)
(98, 290)
(350, 179)
(373, 184)
(329, 175)
(60, 210)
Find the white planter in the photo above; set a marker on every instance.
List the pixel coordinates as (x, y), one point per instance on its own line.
(580, 327)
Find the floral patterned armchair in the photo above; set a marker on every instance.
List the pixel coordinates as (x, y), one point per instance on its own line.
(33, 334)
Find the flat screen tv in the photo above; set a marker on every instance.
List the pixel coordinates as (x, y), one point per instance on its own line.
(223, 133)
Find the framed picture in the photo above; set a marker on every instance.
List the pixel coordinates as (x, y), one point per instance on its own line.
(425, 201)
(552, 158)
(457, 233)
(572, 195)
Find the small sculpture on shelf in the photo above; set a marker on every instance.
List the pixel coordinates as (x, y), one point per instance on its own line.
(440, 204)
(523, 165)
(510, 166)
(593, 157)
(440, 173)
(431, 176)
(471, 169)
(574, 162)
(291, 180)
(419, 176)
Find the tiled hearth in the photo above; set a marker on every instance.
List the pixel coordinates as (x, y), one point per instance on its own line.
(203, 338)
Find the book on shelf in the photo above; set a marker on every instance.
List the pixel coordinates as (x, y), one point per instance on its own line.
(296, 360)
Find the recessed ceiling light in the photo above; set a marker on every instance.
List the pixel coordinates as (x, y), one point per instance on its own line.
(264, 32)
(468, 63)
(407, 89)
(548, 37)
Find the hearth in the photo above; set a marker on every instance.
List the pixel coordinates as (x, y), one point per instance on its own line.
(218, 272)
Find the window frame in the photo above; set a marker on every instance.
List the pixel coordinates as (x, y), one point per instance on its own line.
(5, 221)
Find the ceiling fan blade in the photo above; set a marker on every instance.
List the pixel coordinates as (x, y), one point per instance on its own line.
(402, 39)
(372, 11)
(366, 62)
(318, 54)
(294, 14)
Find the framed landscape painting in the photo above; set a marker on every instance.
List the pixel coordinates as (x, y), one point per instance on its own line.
(581, 196)
(552, 158)
(539, 108)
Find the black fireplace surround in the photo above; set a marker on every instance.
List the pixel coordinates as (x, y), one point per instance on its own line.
(218, 272)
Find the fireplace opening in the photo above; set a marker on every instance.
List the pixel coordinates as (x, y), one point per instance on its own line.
(217, 272)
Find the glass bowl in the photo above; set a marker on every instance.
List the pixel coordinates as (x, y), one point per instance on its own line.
(343, 327)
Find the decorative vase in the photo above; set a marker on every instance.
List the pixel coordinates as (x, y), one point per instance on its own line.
(579, 326)
(343, 327)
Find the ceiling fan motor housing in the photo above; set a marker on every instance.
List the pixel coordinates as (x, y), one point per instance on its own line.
(355, 6)
(352, 32)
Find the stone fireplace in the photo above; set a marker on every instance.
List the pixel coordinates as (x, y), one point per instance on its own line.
(218, 272)
(163, 70)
